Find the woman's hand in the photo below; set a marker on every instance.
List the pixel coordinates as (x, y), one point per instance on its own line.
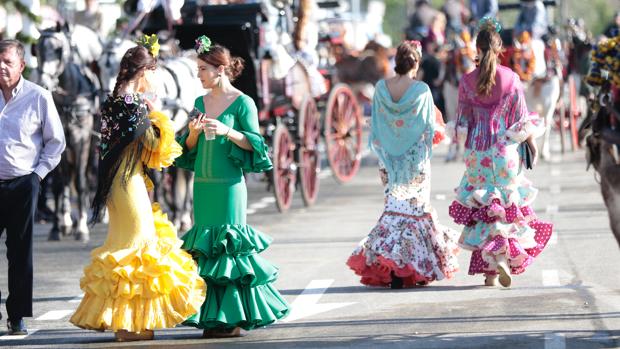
(216, 127)
(196, 125)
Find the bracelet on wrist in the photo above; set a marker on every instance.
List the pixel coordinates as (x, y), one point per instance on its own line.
(227, 132)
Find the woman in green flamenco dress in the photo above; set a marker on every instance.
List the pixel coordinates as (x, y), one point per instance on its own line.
(240, 292)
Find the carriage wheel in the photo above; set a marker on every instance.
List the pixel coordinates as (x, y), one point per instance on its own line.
(284, 168)
(562, 121)
(343, 133)
(573, 113)
(309, 132)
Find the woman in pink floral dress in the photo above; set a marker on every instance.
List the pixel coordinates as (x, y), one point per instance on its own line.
(407, 246)
(494, 199)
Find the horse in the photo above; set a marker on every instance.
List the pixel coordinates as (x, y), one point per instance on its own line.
(543, 94)
(603, 151)
(176, 88)
(62, 69)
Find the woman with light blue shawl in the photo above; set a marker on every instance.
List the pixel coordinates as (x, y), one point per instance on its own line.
(407, 247)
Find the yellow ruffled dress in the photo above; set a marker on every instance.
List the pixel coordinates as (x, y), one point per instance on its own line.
(140, 279)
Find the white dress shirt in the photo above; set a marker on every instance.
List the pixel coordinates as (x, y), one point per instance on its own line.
(31, 134)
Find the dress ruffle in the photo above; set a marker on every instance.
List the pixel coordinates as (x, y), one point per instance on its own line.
(251, 161)
(521, 193)
(414, 248)
(155, 285)
(187, 160)
(167, 149)
(530, 125)
(240, 291)
(513, 231)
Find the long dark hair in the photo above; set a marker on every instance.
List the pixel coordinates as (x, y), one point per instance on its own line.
(133, 62)
(489, 43)
(219, 55)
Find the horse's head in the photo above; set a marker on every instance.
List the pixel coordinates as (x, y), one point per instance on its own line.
(53, 50)
(110, 60)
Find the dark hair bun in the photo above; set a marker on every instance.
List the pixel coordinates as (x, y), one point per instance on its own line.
(407, 57)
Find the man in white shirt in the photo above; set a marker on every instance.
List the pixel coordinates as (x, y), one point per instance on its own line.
(31, 143)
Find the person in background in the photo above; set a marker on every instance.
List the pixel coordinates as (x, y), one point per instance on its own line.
(613, 28)
(407, 246)
(31, 143)
(494, 199)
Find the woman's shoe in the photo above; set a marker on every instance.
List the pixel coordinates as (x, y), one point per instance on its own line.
(126, 336)
(491, 280)
(222, 333)
(504, 272)
(397, 283)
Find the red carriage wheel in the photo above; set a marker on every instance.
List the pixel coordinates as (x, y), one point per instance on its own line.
(573, 112)
(343, 133)
(308, 155)
(284, 168)
(562, 121)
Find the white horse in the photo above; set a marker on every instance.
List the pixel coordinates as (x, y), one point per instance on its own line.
(542, 95)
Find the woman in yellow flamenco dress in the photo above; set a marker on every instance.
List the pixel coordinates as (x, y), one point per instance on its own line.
(140, 279)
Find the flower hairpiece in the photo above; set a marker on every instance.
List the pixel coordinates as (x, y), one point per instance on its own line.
(203, 44)
(150, 42)
(489, 23)
(417, 45)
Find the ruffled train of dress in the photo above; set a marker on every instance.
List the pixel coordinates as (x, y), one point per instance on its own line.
(152, 286)
(500, 221)
(407, 241)
(240, 292)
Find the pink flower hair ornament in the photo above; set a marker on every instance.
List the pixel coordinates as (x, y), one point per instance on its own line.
(417, 45)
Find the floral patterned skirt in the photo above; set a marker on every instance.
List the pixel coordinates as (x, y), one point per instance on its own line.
(407, 241)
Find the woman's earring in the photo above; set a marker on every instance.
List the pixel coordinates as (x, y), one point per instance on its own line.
(219, 81)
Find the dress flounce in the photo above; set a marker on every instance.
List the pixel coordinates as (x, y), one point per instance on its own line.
(166, 149)
(251, 161)
(240, 291)
(152, 286)
(414, 248)
(496, 229)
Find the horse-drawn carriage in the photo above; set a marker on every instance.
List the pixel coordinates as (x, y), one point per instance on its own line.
(293, 117)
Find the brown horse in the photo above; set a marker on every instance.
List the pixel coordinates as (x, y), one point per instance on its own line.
(603, 150)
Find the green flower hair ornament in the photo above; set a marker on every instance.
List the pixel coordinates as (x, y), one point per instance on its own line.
(150, 42)
(489, 23)
(203, 44)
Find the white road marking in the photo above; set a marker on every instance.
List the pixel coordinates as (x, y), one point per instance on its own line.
(54, 315)
(77, 299)
(6, 337)
(250, 211)
(555, 341)
(440, 196)
(552, 209)
(555, 189)
(259, 205)
(556, 159)
(550, 278)
(555, 172)
(306, 304)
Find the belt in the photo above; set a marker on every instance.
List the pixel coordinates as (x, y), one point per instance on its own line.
(4, 181)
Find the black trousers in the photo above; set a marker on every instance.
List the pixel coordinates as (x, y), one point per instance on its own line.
(18, 202)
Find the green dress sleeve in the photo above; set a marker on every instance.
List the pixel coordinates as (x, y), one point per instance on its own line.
(187, 160)
(258, 159)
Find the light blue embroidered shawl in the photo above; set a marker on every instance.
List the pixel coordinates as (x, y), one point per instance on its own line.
(398, 128)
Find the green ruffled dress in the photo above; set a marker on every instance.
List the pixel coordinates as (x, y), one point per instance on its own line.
(239, 281)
